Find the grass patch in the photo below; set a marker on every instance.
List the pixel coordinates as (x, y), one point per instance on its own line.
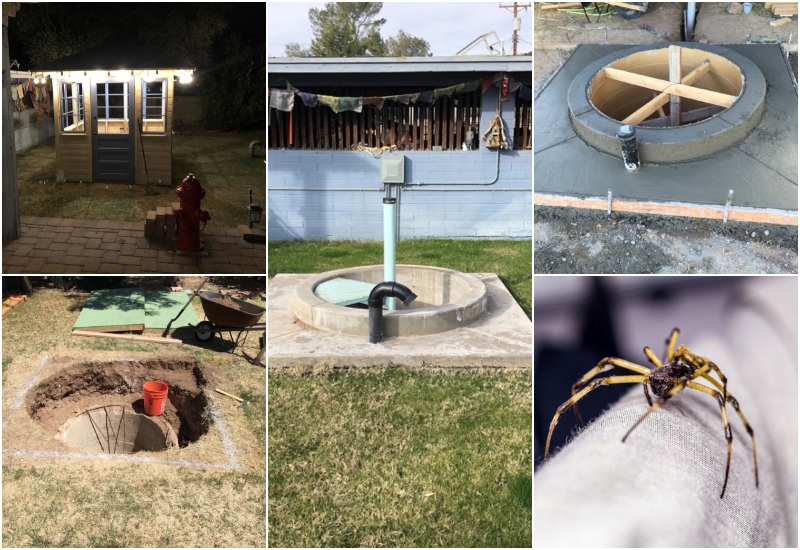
(511, 260)
(219, 160)
(100, 503)
(351, 456)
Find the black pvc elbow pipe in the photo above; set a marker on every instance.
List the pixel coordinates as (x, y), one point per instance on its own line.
(375, 302)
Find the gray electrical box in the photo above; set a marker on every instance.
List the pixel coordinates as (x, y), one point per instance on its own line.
(393, 168)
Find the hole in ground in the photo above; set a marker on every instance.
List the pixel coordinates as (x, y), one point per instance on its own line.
(117, 429)
(60, 402)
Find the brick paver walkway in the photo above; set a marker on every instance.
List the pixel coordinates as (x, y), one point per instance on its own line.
(58, 245)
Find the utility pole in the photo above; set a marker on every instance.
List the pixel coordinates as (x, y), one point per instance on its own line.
(517, 21)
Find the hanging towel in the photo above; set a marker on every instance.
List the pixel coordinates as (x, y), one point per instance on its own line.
(376, 101)
(36, 92)
(350, 104)
(30, 85)
(426, 97)
(414, 98)
(20, 91)
(450, 90)
(310, 100)
(282, 100)
(525, 92)
(36, 105)
(404, 98)
(14, 95)
(26, 100)
(329, 101)
(470, 86)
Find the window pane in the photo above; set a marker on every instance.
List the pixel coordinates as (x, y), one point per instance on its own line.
(153, 87)
(116, 87)
(153, 102)
(116, 101)
(101, 101)
(116, 112)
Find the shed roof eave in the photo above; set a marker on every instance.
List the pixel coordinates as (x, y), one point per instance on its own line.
(377, 65)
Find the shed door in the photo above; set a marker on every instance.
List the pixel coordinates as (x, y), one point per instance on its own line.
(113, 129)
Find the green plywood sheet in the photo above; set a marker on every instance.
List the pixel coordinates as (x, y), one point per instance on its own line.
(120, 307)
(162, 307)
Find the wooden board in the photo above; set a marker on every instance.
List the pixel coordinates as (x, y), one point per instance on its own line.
(698, 94)
(671, 209)
(648, 109)
(120, 328)
(675, 78)
(134, 337)
(11, 304)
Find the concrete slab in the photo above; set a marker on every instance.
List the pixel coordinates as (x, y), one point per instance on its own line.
(501, 338)
(762, 168)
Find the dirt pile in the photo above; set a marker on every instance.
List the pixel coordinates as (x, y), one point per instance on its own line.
(87, 384)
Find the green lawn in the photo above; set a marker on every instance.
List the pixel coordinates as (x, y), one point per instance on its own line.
(353, 455)
(220, 161)
(510, 259)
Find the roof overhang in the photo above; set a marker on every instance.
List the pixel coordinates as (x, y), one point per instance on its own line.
(380, 65)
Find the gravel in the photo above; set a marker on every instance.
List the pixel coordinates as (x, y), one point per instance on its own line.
(571, 240)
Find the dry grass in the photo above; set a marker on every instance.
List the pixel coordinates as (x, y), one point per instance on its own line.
(353, 453)
(103, 503)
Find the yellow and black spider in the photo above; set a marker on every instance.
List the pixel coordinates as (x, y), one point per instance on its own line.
(680, 367)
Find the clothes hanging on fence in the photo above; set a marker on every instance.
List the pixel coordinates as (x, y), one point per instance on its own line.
(26, 100)
(310, 100)
(525, 92)
(448, 91)
(404, 98)
(351, 104)
(470, 86)
(14, 95)
(487, 81)
(282, 100)
(426, 97)
(29, 82)
(36, 105)
(374, 101)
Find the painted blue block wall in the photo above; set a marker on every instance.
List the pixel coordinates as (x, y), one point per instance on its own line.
(354, 210)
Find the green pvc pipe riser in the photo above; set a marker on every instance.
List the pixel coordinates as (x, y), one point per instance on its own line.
(389, 240)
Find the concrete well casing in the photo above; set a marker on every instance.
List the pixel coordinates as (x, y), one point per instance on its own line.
(137, 432)
(730, 73)
(446, 300)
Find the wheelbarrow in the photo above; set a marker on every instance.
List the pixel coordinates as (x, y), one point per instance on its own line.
(226, 314)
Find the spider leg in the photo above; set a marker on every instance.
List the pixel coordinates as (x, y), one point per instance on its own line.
(652, 357)
(728, 435)
(574, 399)
(647, 393)
(669, 345)
(732, 400)
(606, 364)
(661, 400)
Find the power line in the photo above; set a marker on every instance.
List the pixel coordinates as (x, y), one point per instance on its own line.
(517, 21)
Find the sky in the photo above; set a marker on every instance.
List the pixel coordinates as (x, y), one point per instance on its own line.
(446, 26)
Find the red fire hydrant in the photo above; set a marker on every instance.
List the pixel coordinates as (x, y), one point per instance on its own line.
(190, 214)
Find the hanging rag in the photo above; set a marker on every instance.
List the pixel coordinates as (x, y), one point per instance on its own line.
(513, 84)
(404, 98)
(310, 100)
(45, 103)
(14, 95)
(20, 91)
(487, 81)
(36, 92)
(376, 101)
(414, 98)
(329, 101)
(36, 105)
(26, 100)
(30, 85)
(351, 104)
(470, 86)
(426, 97)
(525, 93)
(450, 90)
(282, 100)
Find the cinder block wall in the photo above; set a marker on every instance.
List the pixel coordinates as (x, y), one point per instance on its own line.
(354, 210)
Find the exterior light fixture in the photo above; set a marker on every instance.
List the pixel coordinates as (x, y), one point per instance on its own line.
(185, 79)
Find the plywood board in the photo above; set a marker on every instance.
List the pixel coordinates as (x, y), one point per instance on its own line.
(119, 309)
(162, 307)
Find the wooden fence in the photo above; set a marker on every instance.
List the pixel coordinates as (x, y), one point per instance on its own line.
(523, 124)
(414, 127)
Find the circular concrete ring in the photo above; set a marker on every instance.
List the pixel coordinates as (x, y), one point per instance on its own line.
(665, 145)
(137, 432)
(446, 300)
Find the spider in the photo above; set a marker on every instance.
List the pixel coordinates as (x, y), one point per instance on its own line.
(680, 367)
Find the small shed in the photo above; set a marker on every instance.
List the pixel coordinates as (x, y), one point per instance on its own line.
(102, 97)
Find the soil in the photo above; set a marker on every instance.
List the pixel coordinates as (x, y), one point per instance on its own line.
(569, 240)
(87, 384)
(716, 25)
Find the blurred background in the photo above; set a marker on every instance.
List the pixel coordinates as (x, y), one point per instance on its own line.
(580, 320)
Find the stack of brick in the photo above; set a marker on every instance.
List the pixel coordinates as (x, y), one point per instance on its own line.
(160, 223)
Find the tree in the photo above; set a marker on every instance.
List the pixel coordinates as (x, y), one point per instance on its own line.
(347, 29)
(294, 49)
(405, 45)
(352, 29)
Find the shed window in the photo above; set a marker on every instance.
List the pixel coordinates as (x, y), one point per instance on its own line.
(112, 108)
(154, 107)
(72, 115)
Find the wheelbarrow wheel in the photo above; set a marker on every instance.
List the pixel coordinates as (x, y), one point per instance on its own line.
(205, 331)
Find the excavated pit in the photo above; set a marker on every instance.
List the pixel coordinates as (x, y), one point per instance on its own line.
(82, 404)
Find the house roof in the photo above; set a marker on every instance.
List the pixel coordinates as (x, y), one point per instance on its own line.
(114, 55)
(378, 65)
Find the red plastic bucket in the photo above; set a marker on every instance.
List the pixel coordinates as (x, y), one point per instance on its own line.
(155, 398)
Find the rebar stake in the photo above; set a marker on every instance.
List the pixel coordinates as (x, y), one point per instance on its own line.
(727, 206)
(609, 201)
